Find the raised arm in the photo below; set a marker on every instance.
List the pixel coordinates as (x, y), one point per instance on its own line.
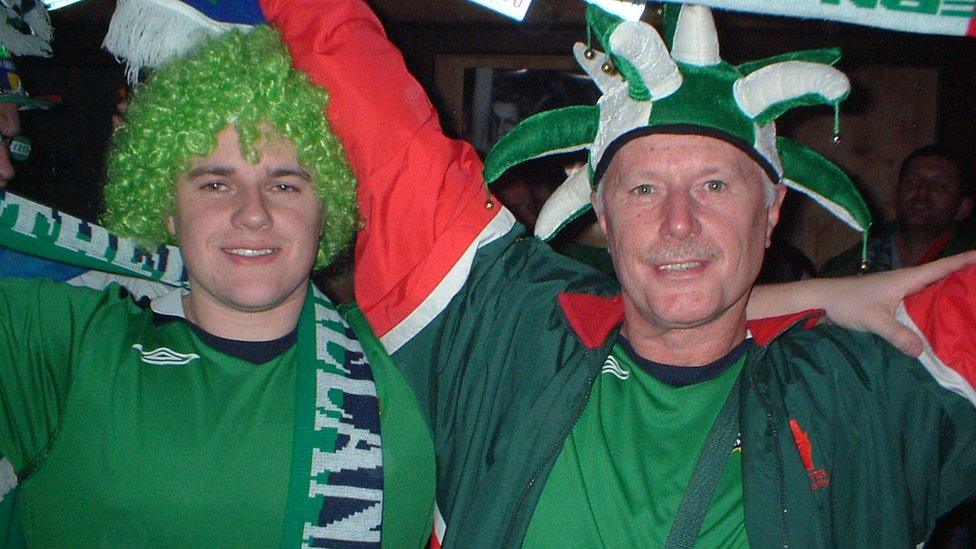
(421, 195)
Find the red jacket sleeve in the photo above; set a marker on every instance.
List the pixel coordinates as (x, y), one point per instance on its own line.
(944, 315)
(421, 195)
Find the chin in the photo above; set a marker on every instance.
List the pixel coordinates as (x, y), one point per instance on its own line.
(259, 301)
(686, 321)
(687, 311)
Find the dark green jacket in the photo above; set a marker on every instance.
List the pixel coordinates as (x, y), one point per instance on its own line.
(513, 356)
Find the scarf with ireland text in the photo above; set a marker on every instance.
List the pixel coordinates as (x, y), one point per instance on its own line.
(335, 496)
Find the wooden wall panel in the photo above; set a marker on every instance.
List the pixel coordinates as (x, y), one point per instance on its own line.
(892, 111)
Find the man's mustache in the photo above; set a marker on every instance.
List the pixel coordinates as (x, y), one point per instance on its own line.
(683, 252)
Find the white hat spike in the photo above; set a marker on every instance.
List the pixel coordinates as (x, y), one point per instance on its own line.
(786, 81)
(695, 38)
(643, 47)
(567, 202)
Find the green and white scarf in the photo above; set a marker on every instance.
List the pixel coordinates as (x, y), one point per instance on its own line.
(335, 497)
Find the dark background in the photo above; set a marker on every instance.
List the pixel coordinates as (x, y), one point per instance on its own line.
(70, 142)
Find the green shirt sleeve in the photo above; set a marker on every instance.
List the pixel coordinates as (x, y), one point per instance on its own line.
(39, 321)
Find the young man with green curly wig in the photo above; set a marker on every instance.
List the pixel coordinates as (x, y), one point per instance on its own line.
(244, 410)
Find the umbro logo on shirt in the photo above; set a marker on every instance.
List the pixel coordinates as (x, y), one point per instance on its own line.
(612, 367)
(164, 357)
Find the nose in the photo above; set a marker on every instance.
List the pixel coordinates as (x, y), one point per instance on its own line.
(680, 216)
(252, 210)
(925, 190)
(6, 167)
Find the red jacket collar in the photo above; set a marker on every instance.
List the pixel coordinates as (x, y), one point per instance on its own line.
(593, 317)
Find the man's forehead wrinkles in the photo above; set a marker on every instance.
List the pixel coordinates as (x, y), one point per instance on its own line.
(680, 169)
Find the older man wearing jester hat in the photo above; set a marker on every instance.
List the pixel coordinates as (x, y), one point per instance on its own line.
(243, 409)
(569, 412)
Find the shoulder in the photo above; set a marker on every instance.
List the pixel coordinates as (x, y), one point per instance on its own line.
(47, 298)
(845, 361)
(542, 270)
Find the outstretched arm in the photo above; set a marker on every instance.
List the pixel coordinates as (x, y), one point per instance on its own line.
(867, 303)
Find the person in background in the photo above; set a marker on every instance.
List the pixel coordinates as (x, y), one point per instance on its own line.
(16, 147)
(524, 189)
(933, 201)
(9, 128)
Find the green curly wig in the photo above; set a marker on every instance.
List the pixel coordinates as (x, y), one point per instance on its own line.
(244, 79)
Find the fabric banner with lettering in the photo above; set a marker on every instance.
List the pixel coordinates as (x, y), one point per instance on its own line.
(950, 17)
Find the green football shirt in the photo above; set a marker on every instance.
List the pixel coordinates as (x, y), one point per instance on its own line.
(624, 468)
(129, 429)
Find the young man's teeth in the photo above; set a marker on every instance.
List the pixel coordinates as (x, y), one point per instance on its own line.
(247, 252)
(674, 267)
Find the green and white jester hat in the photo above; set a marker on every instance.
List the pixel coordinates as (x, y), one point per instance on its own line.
(691, 90)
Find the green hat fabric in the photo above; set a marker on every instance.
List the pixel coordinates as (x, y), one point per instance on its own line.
(689, 90)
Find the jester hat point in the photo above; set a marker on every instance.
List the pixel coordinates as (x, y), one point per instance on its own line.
(689, 90)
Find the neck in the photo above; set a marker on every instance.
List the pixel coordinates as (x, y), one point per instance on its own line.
(230, 323)
(913, 245)
(686, 346)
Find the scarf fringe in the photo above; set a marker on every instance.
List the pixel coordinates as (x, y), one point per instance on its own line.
(148, 33)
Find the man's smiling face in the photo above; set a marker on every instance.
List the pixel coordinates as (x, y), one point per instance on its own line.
(930, 197)
(687, 223)
(248, 232)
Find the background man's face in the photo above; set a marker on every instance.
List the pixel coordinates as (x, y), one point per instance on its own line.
(687, 224)
(517, 197)
(929, 195)
(9, 126)
(248, 233)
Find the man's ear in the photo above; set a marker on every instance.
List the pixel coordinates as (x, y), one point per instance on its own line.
(772, 212)
(171, 224)
(598, 210)
(965, 208)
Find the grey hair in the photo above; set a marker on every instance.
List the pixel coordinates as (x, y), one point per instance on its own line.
(598, 197)
(769, 190)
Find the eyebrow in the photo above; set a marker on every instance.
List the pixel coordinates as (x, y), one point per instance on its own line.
(226, 171)
(209, 170)
(286, 172)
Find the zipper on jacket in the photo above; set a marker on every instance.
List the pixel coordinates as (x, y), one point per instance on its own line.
(784, 533)
(506, 541)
